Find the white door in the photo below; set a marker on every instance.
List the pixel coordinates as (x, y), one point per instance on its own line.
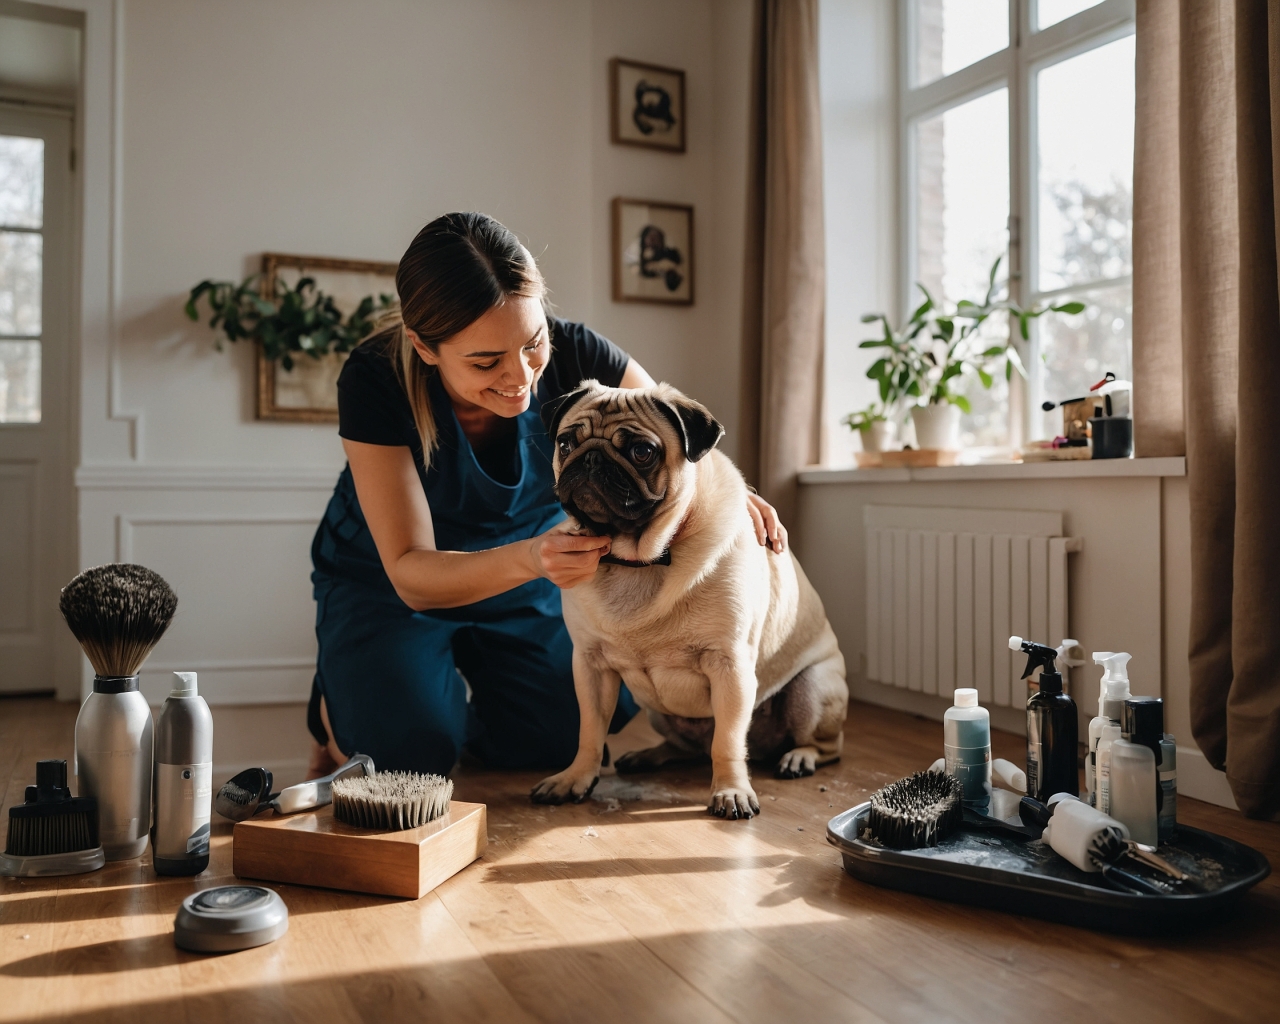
(37, 496)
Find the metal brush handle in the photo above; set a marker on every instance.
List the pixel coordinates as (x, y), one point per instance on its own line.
(306, 796)
(1152, 859)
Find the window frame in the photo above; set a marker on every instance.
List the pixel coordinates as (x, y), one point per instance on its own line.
(1015, 67)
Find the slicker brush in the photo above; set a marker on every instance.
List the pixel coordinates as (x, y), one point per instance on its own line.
(920, 810)
(118, 612)
(391, 801)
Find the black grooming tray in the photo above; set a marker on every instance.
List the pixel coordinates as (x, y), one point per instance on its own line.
(988, 870)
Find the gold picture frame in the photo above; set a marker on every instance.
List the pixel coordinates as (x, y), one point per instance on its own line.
(311, 396)
(646, 106)
(653, 253)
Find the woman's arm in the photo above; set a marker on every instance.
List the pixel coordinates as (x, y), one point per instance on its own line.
(763, 515)
(399, 518)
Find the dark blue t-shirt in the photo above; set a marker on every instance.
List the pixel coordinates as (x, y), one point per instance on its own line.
(474, 504)
(373, 408)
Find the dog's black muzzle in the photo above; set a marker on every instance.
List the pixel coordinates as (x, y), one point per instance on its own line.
(604, 494)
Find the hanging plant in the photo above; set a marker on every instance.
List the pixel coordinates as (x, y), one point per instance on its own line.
(288, 322)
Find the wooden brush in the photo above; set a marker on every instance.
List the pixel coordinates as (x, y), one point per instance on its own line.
(118, 612)
(393, 801)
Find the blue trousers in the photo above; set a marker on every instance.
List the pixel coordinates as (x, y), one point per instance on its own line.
(393, 681)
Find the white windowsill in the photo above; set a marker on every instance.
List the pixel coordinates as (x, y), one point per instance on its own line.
(1168, 466)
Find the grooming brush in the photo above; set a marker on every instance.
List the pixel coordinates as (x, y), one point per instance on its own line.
(920, 810)
(925, 808)
(391, 801)
(1096, 842)
(53, 833)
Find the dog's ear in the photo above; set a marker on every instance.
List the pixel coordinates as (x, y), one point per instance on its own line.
(698, 429)
(553, 412)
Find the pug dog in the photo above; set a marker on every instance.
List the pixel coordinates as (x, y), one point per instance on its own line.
(722, 640)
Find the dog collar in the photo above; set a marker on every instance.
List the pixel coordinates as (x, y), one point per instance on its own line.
(662, 559)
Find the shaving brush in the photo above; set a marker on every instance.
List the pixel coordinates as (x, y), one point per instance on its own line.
(118, 612)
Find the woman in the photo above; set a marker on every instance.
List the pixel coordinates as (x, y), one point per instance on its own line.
(438, 559)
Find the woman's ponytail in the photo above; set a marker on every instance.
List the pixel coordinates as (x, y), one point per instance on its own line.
(458, 268)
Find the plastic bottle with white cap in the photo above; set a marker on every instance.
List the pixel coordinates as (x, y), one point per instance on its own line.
(183, 784)
(1112, 692)
(966, 732)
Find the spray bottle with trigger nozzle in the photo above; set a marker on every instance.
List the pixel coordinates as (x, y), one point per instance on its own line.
(1051, 726)
(1112, 691)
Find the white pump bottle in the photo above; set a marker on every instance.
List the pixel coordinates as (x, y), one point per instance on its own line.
(1112, 692)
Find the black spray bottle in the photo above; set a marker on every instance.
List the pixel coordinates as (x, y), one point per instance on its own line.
(1051, 726)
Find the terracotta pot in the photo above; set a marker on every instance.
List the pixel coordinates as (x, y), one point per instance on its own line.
(937, 426)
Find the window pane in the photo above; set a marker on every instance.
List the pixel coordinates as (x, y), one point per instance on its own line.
(20, 282)
(1050, 12)
(952, 34)
(962, 216)
(962, 199)
(19, 382)
(1077, 351)
(21, 182)
(1086, 167)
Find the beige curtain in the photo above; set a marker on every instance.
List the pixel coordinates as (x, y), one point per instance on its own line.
(784, 290)
(1207, 351)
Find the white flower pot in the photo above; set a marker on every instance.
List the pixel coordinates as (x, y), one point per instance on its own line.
(877, 436)
(937, 426)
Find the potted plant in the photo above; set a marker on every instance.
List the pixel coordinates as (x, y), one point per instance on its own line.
(929, 357)
(289, 323)
(874, 428)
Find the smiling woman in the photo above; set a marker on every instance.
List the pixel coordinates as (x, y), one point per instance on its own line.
(439, 560)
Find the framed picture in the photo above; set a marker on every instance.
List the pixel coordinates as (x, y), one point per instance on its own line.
(652, 252)
(646, 105)
(309, 392)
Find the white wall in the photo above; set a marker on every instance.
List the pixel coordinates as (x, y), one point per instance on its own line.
(324, 127)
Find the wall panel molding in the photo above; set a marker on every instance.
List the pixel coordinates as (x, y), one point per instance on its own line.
(127, 477)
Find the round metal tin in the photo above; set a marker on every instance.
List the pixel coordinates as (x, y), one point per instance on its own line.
(230, 917)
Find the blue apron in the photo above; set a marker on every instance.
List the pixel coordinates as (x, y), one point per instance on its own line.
(395, 681)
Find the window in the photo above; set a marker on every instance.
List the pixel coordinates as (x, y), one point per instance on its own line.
(1017, 143)
(21, 256)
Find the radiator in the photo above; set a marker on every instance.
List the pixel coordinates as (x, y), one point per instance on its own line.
(947, 587)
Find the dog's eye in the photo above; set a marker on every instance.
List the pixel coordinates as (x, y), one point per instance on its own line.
(642, 453)
(565, 446)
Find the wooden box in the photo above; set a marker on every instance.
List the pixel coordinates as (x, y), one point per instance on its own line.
(313, 848)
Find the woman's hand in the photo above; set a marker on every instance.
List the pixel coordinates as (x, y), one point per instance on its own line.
(769, 531)
(566, 558)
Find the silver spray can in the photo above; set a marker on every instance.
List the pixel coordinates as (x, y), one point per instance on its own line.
(183, 781)
(113, 763)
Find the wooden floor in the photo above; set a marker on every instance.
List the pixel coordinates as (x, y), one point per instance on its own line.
(622, 910)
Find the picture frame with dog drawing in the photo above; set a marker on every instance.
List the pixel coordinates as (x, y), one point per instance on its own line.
(646, 105)
(653, 259)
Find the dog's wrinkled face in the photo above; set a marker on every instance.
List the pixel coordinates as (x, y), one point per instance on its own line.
(622, 456)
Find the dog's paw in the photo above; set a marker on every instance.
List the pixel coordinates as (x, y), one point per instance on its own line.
(563, 789)
(796, 763)
(734, 802)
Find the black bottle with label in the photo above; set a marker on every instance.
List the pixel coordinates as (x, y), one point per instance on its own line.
(1052, 730)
